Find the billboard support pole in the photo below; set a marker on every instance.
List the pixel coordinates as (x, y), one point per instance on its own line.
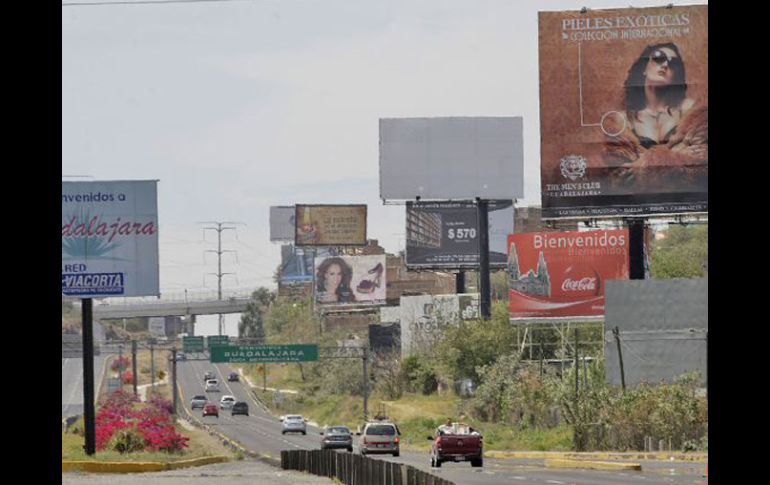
(366, 385)
(460, 282)
(484, 285)
(133, 366)
(152, 367)
(89, 411)
(173, 378)
(636, 248)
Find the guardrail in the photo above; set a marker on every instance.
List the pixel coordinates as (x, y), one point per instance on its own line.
(356, 469)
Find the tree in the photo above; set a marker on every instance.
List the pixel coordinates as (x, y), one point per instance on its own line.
(252, 325)
(682, 253)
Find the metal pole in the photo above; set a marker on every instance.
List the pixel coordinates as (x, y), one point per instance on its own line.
(264, 377)
(616, 333)
(152, 366)
(577, 367)
(133, 365)
(89, 409)
(636, 249)
(173, 377)
(460, 282)
(366, 386)
(484, 284)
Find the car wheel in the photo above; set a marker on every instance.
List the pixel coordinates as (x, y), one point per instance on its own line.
(396, 454)
(283, 432)
(350, 450)
(304, 433)
(478, 462)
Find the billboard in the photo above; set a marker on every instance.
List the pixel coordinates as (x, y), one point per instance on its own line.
(624, 111)
(157, 327)
(451, 158)
(563, 274)
(297, 263)
(330, 225)
(662, 324)
(424, 318)
(109, 238)
(282, 223)
(350, 280)
(445, 234)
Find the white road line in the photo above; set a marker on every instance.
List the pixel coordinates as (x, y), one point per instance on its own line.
(555, 481)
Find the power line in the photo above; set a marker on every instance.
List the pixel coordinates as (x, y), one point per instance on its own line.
(144, 2)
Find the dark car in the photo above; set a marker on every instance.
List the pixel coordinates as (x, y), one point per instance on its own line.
(240, 407)
(233, 377)
(337, 437)
(210, 410)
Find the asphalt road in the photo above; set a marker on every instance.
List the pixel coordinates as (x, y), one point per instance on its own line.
(72, 378)
(261, 432)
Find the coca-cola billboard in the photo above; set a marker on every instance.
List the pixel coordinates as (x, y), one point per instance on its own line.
(563, 274)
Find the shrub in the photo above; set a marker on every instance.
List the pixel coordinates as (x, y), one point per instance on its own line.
(127, 440)
(120, 364)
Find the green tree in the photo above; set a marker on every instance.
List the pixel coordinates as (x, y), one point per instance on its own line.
(252, 325)
(682, 253)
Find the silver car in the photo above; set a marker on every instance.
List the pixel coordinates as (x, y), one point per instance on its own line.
(293, 423)
(380, 437)
(226, 402)
(198, 402)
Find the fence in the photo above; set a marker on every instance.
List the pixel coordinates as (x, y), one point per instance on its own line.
(353, 469)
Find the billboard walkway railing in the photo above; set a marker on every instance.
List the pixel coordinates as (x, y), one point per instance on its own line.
(353, 469)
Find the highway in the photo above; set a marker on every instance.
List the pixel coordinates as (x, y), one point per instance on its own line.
(72, 378)
(260, 432)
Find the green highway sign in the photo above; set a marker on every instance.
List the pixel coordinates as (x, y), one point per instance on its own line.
(264, 353)
(192, 344)
(218, 340)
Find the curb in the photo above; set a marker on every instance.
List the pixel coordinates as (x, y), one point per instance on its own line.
(564, 455)
(592, 465)
(139, 466)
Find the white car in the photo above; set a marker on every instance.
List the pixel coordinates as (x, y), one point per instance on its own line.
(226, 402)
(212, 385)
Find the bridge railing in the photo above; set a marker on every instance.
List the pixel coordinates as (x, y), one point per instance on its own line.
(179, 297)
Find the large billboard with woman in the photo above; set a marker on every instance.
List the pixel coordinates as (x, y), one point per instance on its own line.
(350, 280)
(624, 111)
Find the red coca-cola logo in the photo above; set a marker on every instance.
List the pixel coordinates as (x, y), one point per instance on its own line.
(581, 280)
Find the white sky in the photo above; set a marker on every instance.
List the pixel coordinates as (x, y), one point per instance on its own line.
(237, 106)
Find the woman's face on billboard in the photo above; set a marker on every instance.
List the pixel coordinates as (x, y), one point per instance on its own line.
(333, 277)
(660, 66)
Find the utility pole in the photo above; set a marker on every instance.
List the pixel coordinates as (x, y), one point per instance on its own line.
(152, 366)
(133, 365)
(173, 377)
(220, 227)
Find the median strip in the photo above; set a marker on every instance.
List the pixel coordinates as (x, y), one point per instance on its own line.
(592, 465)
(137, 467)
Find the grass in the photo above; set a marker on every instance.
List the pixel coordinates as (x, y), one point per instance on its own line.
(201, 444)
(417, 417)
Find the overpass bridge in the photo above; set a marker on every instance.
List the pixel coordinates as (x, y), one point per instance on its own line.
(178, 304)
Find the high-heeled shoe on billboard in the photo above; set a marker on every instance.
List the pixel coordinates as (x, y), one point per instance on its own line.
(368, 286)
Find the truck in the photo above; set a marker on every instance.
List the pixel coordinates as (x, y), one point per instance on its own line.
(456, 442)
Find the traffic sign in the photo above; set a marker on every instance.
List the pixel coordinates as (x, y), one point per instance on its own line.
(192, 344)
(264, 353)
(218, 340)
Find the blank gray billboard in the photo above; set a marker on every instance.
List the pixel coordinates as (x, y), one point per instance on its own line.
(282, 223)
(451, 158)
(662, 326)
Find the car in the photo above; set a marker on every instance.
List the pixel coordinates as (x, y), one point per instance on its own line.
(456, 442)
(181, 356)
(226, 402)
(210, 410)
(380, 437)
(293, 423)
(208, 376)
(198, 402)
(336, 437)
(233, 377)
(240, 407)
(212, 385)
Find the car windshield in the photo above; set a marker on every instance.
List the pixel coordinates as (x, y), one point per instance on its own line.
(293, 418)
(240, 405)
(226, 398)
(381, 430)
(338, 430)
(203, 398)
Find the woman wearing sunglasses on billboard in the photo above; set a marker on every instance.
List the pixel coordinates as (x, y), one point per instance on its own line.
(333, 281)
(661, 126)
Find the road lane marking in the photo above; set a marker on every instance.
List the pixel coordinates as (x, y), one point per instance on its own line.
(557, 482)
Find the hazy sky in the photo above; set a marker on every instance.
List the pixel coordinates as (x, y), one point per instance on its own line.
(237, 106)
